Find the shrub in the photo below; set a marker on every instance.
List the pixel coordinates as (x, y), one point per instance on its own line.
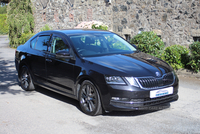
(25, 37)
(195, 56)
(45, 28)
(20, 20)
(176, 55)
(3, 24)
(149, 42)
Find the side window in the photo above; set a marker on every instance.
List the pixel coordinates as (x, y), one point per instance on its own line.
(33, 42)
(58, 45)
(42, 43)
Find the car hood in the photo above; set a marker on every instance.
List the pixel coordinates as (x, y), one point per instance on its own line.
(137, 64)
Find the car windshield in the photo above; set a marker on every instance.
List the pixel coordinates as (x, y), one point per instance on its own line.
(100, 44)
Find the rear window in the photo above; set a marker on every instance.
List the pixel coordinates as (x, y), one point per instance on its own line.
(33, 42)
(42, 43)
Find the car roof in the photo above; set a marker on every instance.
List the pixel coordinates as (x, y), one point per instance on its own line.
(77, 31)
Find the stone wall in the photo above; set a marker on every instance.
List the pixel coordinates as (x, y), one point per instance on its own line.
(176, 21)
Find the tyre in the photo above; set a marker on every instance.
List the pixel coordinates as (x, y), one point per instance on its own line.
(89, 99)
(26, 81)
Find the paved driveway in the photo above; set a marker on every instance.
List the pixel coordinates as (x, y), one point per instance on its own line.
(42, 111)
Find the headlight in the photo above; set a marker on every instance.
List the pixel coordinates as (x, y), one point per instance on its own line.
(132, 81)
(114, 80)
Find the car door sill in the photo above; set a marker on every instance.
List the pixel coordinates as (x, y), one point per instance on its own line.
(58, 91)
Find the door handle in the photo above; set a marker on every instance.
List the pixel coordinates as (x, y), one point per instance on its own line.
(48, 60)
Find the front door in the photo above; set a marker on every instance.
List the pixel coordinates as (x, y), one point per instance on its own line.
(60, 70)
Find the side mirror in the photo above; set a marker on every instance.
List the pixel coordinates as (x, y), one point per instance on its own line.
(63, 54)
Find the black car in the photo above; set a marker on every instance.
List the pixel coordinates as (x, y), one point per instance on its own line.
(98, 68)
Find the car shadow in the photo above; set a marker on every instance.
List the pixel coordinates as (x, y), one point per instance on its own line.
(148, 110)
(113, 113)
(8, 78)
(130, 113)
(58, 96)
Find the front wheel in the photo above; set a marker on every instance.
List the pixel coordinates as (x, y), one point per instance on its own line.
(26, 79)
(89, 99)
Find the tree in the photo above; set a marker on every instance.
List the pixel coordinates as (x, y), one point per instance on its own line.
(20, 20)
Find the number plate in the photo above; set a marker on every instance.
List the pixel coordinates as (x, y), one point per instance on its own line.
(161, 92)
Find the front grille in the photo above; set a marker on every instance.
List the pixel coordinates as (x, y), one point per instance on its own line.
(152, 82)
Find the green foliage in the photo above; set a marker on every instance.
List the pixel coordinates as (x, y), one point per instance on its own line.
(3, 24)
(195, 56)
(101, 27)
(3, 9)
(149, 42)
(20, 20)
(45, 28)
(176, 55)
(25, 37)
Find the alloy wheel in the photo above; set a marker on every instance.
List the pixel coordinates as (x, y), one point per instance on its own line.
(26, 80)
(89, 99)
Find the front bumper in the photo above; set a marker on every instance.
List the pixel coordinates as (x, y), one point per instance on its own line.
(133, 98)
(142, 104)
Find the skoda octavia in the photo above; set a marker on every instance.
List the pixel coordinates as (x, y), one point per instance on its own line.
(98, 68)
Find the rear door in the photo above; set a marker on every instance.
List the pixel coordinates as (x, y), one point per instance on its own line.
(60, 70)
(37, 57)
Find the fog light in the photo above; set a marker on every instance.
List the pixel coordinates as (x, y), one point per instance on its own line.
(115, 98)
(125, 99)
(119, 99)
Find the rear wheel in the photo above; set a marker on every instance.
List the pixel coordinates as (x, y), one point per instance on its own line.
(89, 99)
(26, 79)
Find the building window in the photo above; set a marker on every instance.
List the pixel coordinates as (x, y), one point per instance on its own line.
(196, 39)
(127, 37)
